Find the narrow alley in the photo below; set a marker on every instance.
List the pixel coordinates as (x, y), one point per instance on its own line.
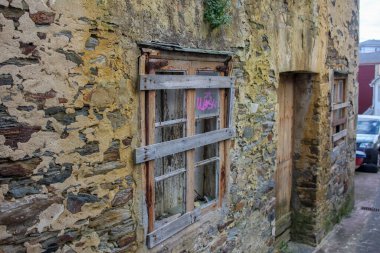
(360, 231)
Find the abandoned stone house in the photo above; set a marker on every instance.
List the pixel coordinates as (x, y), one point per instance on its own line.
(230, 139)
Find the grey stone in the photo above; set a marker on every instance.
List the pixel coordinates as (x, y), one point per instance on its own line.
(75, 202)
(107, 167)
(117, 119)
(248, 132)
(65, 33)
(11, 12)
(91, 43)
(56, 173)
(19, 189)
(6, 79)
(71, 56)
(27, 108)
(89, 148)
(19, 62)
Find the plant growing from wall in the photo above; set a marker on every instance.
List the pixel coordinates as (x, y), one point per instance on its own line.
(217, 12)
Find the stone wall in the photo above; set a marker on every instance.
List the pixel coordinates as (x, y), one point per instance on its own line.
(69, 120)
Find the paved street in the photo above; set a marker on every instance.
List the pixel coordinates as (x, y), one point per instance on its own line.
(360, 231)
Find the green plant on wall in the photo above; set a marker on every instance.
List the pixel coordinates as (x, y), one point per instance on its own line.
(217, 12)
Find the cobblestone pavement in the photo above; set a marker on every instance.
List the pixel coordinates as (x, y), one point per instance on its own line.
(360, 231)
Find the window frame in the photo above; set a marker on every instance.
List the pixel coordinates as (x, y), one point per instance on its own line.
(148, 152)
(340, 137)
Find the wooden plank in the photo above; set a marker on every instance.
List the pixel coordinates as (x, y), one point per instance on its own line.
(340, 135)
(163, 82)
(170, 122)
(169, 175)
(283, 223)
(283, 173)
(212, 205)
(331, 86)
(172, 228)
(230, 113)
(142, 61)
(190, 131)
(190, 57)
(155, 151)
(207, 161)
(150, 120)
(339, 106)
(282, 239)
(177, 48)
(222, 165)
(338, 122)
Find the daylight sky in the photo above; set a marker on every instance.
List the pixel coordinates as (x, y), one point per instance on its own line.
(369, 20)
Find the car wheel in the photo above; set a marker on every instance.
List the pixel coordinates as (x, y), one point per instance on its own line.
(372, 168)
(372, 157)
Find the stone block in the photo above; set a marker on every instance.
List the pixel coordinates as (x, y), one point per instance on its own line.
(112, 153)
(56, 173)
(20, 168)
(75, 202)
(89, 148)
(122, 197)
(71, 56)
(24, 212)
(42, 17)
(6, 79)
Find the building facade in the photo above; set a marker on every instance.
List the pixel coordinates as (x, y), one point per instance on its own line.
(230, 139)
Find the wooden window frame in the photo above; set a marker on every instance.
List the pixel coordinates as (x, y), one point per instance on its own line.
(340, 137)
(149, 150)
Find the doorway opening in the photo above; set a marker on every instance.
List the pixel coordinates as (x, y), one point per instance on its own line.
(295, 95)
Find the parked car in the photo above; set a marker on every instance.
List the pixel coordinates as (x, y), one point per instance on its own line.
(368, 140)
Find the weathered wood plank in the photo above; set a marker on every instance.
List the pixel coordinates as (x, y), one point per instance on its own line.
(207, 161)
(221, 183)
(163, 82)
(341, 105)
(178, 48)
(159, 150)
(169, 175)
(338, 122)
(172, 228)
(283, 173)
(170, 122)
(340, 135)
(150, 114)
(283, 223)
(190, 154)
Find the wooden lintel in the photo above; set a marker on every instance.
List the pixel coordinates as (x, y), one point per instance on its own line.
(159, 150)
(163, 82)
(172, 228)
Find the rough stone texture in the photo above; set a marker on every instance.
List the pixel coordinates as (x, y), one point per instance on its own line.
(69, 121)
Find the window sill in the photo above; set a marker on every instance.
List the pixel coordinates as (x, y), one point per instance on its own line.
(209, 215)
(182, 223)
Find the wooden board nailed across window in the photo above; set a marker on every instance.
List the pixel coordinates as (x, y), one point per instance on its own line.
(339, 108)
(186, 123)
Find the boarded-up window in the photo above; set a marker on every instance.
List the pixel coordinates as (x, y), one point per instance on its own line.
(339, 109)
(186, 112)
